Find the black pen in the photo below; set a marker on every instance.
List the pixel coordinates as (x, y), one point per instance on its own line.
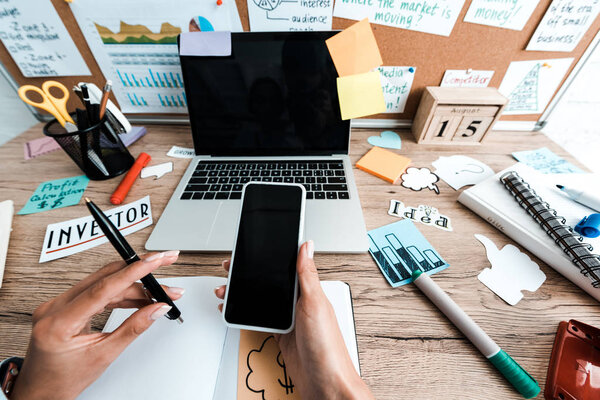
(129, 255)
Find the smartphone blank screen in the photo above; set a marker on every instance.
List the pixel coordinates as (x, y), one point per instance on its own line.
(263, 274)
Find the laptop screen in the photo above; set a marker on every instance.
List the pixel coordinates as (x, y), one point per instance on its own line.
(275, 95)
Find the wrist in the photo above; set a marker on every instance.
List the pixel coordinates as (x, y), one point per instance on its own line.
(352, 387)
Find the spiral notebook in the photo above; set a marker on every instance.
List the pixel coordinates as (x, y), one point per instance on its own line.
(494, 203)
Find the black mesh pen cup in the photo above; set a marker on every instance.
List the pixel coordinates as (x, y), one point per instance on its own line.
(97, 150)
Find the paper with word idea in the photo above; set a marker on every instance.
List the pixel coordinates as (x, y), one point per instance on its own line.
(396, 83)
(290, 15)
(69, 237)
(423, 214)
(55, 194)
(529, 85)
(510, 14)
(430, 16)
(564, 24)
(38, 41)
(466, 78)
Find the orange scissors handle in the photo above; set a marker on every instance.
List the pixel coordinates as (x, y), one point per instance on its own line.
(57, 106)
(60, 103)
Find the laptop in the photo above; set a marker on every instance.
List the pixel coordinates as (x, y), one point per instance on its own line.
(269, 112)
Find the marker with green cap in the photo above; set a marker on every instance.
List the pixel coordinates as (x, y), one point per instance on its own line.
(513, 372)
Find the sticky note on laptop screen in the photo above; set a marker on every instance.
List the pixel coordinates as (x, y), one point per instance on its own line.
(354, 50)
(360, 95)
(384, 164)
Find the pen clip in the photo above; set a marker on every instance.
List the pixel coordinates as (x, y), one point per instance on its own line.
(148, 295)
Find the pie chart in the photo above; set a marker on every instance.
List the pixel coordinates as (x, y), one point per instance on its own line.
(268, 5)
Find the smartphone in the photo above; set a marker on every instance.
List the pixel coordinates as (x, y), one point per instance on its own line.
(262, 286)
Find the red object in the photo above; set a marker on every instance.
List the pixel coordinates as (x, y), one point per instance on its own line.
(125, 185)
(575, 363)
(219, 2)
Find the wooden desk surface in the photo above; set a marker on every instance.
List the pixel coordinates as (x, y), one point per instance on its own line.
(406, 345)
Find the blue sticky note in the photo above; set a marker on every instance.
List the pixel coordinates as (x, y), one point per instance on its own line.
(545, 161)
(399, 249)
(56, 194)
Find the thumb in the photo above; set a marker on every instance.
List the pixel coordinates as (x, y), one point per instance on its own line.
(134, 326)
(308, 276)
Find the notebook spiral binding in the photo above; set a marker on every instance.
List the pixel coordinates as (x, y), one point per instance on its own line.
(555, 226)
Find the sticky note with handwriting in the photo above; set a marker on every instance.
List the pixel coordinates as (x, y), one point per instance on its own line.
(360, 95)
(355, 50)
(56, 194)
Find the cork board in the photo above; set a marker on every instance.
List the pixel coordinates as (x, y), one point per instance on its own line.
(470, 45)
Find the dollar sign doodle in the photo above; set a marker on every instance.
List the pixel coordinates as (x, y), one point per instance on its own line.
(287, 381)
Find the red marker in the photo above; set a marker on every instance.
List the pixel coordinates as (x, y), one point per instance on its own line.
(125, 185)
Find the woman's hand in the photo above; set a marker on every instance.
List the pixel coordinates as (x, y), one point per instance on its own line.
(314, 352)
(64, 356)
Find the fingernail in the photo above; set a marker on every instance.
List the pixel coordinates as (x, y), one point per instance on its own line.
(172, 253)
(224, 262)
(160, 312)
(177, 290)
(154, 257)
(217, 288)
(310, 248)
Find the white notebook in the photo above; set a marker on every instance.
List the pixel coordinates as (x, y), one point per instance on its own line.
(195, 360)
(491, 201)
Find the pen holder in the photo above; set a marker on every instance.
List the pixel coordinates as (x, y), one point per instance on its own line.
(97, 150)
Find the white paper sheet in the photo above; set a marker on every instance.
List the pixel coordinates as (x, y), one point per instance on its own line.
(512, 14)
(169, 360)
(158, 170)
(69, 237)
(466, 78)
(529, 85)
(181, 152)
(564, 24)
(38, 41)
(458, 171)
(396, 83)
(7, 210)
(430, 16)
(143, 63)
(290, 15)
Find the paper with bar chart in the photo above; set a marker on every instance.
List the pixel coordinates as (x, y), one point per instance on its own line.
(135, 45)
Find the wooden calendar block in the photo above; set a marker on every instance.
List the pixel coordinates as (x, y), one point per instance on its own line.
(457, 115)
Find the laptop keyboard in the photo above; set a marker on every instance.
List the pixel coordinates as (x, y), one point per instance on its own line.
(222, 180)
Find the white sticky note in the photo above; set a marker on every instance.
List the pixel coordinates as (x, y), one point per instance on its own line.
(396, 83)
(563, 25)
(158, 170)
(69, 237)
(458, 171)
(512, 271)
(181, 152)
(209, 43)
(529, 85)
(38, 41)
(437, 17)
(299, 15)
(466, 78)
(512, 14)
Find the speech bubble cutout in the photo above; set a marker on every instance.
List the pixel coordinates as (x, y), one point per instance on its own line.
(420, 178)
(511, 272)
(458, 171)
(158, 170)
(386, 139)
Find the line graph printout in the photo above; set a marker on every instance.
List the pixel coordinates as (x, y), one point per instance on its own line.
(135, 45)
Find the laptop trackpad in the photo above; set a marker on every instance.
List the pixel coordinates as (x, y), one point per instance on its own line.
(221, 233)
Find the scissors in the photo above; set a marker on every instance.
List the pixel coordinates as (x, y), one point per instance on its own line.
(54, 105)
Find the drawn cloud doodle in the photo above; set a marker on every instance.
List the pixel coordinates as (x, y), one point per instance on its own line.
(420, 178)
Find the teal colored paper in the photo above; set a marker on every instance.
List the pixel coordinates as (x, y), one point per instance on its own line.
(56, 194)
(399, 249)
(545, 161)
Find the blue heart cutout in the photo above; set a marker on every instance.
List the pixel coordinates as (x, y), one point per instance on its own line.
(387, 139)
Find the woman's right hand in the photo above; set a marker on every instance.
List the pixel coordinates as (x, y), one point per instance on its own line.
(314, 352)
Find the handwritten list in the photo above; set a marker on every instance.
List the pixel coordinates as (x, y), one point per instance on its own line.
(38, 41)
(564, 24)
(430, 16)
(396, 83)
(283, 15)
(509, 14)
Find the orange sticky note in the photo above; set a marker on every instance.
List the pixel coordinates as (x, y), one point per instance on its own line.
(354, 50)
(383, 164)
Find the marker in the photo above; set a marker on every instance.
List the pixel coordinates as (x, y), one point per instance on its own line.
(587, 199)
(129, 256)
(513, 372)
(119, 195)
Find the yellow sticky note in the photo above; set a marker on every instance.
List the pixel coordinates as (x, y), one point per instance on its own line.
(354, 50)
(360, 95)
